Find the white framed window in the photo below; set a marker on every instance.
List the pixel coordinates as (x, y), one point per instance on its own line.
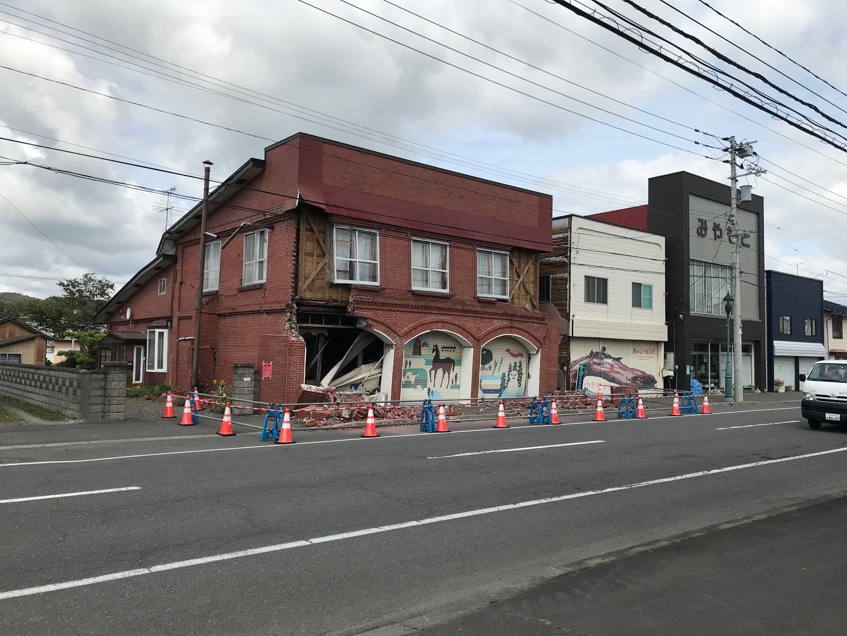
(492, 274)
(642, 296)
(212, 269)
(596, 290)
(157, 350)
(11, 358)
(356, 256)
(255, 257)
(785, 325)
(708, 284)
(811, 327)
(163, 285)
(430, 265)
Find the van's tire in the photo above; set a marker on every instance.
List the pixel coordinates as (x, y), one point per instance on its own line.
(814, 424)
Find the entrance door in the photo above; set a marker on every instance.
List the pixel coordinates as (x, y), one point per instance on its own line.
(138, 364)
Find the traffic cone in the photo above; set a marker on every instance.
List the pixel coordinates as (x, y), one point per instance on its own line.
(639, 411)
(197, 404)
(169, 408)
(285, 431)
(442, 420)
(187, 415)
(598, 414)
(370, 424)
(706, 408)
(554, 413)
(226, 424)
(501, 417)
(675, 407)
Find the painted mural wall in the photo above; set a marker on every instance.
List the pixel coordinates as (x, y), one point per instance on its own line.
(431, 368)
(503, 368)
(612, 363)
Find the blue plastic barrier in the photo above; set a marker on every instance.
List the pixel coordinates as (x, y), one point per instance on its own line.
(688, 404)
(274, 415)
(427, 417)
(627, 408)
(539, 413)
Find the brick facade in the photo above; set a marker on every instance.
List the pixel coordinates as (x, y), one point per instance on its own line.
(305, 187)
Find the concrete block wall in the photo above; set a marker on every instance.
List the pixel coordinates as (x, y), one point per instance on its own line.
(75, 393)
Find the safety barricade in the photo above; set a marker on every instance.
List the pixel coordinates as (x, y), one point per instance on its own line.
(427, 417)
(627, 408)
(688, 403)
(539, 413)
(272, 423)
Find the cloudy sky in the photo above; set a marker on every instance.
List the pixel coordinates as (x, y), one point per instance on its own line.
(550, 102)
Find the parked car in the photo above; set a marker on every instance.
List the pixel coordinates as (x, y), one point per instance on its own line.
(825, 393)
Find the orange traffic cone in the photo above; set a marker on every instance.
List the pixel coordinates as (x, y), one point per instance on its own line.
(442, 420)
(554, 413)
(370, 424)
(226, 425)
(639, 411)
(675, 407)
(706, 408)
(197, 404)
(501, 417)
(285, 431)
(169, 408)
(598, 414)
(187, 415)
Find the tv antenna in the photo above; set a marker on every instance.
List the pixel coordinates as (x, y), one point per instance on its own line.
(166, 209)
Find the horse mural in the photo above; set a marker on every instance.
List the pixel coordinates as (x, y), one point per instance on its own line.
(604, 365)
(445, 365)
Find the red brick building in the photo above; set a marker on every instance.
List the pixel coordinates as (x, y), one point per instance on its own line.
(350, 268)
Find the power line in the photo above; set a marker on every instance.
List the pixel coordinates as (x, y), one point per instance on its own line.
(40, 231)
(812, 73)
(642, 44)
(511, 88)
(349, 127)
(730, 61)
(755, 57)
(677, 84)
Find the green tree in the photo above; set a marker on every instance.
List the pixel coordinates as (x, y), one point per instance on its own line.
(75, 309)
(88, 341)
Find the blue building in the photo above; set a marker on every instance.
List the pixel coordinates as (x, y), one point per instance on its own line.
(795, 326)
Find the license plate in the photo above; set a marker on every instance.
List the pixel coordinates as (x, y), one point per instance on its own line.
(833, 416)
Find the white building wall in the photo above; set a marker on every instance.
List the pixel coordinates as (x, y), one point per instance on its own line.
(623, 257)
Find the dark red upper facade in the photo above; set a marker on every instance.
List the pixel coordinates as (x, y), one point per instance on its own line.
(302, 202)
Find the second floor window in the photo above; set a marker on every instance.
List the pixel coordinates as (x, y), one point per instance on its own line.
(785, 325)
(811, 327)
(708, 285)
(492, 274)
(163, 283)
(356, 256)
(429, 266)
(255, 258)
(596, 290)
(642, 296)
(212, 271)
(837, 332)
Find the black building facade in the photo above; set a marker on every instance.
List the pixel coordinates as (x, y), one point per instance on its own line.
(795, 327)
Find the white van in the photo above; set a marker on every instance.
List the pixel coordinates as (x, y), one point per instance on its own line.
(825, 393)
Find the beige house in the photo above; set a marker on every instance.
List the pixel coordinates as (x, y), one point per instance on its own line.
(21, 344)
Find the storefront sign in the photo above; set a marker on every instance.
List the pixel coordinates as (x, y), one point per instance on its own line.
(718, 232)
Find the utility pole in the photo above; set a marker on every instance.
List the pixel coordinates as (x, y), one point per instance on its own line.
(736, 150)
(195, 360)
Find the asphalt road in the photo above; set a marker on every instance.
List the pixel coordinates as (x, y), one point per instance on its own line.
(341, 535)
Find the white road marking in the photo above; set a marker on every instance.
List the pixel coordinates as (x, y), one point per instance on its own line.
(365, 441)
(514, 450)
(279, 547)
(729, 428)
(69, 494)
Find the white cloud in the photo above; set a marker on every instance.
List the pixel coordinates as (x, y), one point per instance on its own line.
(292, 52)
